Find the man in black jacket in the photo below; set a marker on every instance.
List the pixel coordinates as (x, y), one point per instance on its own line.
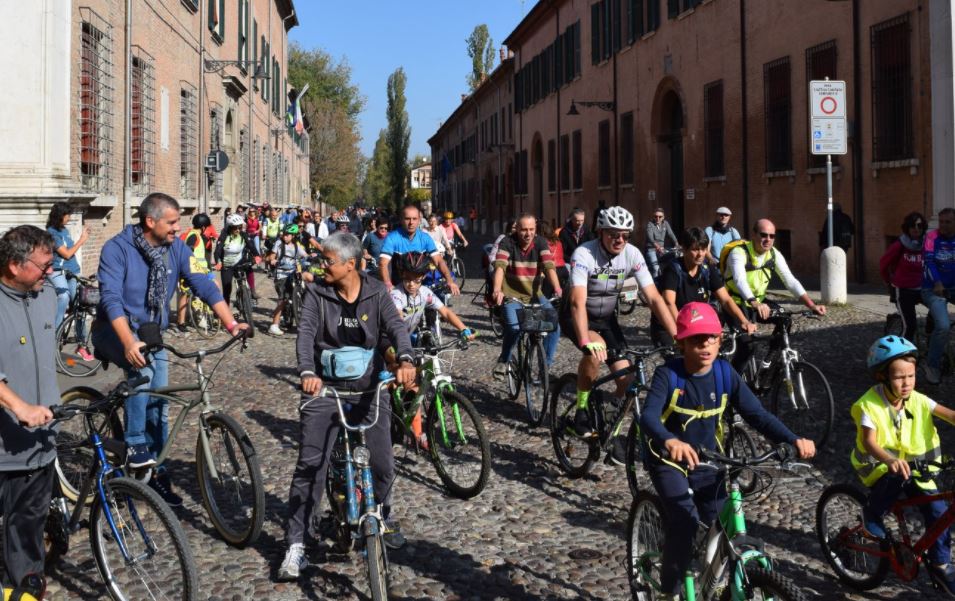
(573, 234)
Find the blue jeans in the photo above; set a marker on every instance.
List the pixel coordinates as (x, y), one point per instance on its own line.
(653, 262)
(890, 487)
(511, 331)
(65, 292)
(938, 309)
(147, 417)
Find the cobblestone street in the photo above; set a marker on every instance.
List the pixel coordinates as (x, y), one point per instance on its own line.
(532, 533)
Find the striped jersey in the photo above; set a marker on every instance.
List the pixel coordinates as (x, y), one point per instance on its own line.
(522, 269)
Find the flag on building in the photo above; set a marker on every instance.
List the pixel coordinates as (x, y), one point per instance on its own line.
(294, 115)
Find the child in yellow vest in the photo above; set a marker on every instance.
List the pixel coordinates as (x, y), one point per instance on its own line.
(893, 427)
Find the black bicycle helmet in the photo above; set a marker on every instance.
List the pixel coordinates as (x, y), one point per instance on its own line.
(414, 262)
(201, 221)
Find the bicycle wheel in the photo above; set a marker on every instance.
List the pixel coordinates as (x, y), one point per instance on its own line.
(536, 383)
(515, 369)
(644, 546)
(434, 325)
(234, 497)
(804, 403)
(202, 318)
(634, 457)
(845, 545)
(575, 455)
(376, 559)
(764, 584)
(739, 443)
(494, 316)
(158, 563)
(245, 305)
(56, 536)
(74, 451)
(627, 307)
(296, 315)
(459, 446)
(457, 266)
(67, 359)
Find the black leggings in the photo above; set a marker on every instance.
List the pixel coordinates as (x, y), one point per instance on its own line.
(228, 273)
(906, 299)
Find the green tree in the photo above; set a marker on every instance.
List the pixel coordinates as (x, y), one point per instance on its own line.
(481, 51)
(376, 187)
(398, 135)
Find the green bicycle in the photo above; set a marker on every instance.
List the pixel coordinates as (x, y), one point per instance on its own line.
(733, 566)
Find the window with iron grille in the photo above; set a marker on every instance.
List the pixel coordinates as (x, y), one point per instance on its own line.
(603, 153)
(820, 64)
(266, 172)
(215, 143)
(626, 149)
(577, 141)
(217, 20)
(778, 118)
(244, 165)
(142, 135)
(713, 128)
(565, 162)
(188, 142)
(95, 102)
(256, 166)
(891, 90)
(551, 165)
(276, 166)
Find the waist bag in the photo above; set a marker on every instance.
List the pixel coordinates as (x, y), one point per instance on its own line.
(346, 363)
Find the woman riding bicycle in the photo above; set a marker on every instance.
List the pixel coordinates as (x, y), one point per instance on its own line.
(452, 230)
(346, 316)
(234, 250)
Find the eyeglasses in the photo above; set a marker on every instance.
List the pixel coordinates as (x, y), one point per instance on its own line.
(617, 235)
(767, 235)
(703, 339)
(658, 216)
(326, 262)
(44, 268)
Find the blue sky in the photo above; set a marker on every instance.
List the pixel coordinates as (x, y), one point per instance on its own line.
(426, 37)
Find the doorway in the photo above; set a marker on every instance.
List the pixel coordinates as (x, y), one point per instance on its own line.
(671, 154)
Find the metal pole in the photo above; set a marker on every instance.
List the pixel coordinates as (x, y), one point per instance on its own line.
(128, 120)
(829, 204)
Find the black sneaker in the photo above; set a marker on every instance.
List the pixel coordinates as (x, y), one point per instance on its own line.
(183, 328)
(139, 456)
(393, 537)
(162, 485)
(583, 425)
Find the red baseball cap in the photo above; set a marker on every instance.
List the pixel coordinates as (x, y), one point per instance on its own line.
(695, 319)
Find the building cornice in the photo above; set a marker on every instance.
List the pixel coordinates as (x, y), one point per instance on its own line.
(529, 22)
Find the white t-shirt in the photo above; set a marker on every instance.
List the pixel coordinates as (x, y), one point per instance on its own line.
(604, 275)
(866, 422)
(412, 308)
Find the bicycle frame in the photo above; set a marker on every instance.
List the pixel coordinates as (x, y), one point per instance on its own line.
(432, 380)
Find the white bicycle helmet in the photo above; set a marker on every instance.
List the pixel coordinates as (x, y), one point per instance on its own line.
(234, 220)
(617, 218)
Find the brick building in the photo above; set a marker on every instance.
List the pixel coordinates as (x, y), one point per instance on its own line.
(694, 104)
(197, 76)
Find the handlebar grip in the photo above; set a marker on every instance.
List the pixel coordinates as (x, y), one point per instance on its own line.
(134, 383)
(786, 452)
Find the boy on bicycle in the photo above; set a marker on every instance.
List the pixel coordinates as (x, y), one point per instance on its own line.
(286, 256)
(894, 426)
(683, 412)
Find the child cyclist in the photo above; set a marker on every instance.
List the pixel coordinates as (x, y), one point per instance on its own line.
(894, 426)
(411, 299)
(683, 410)
(286, 255)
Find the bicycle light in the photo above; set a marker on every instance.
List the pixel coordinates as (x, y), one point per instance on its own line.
(362, 455)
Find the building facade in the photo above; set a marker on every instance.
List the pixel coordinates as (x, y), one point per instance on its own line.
(135, 95)
(690, 105)
(421, 176)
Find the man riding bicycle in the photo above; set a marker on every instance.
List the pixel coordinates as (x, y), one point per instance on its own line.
(598, 269)
(938, 286)
(197, 241)
(286, 256)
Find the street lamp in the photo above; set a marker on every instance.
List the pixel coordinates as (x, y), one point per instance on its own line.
(604, 105)
(211, 66)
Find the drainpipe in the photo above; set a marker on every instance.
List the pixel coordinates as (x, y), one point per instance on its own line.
(744, 113)
(560, 157)
(128, 119)
(616, 140)
(858, 205)
(285, 183)
(202, 178)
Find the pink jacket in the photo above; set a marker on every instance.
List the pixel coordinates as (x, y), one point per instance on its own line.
(901, 266)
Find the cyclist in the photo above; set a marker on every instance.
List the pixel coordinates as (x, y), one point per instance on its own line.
(286, 257)
(901, 267)
(342, 223)
(691, 279)
(272, 228)
(311, 243)
(598, 270)
(234, 249)
(683, 410)
(747, 270)
(575, 232)
(452, 231)
(893, 426)
(411, 299)
(372, 244)
(659, 235)
(938, 285)
(522, 260)
(439, 235)
(195, 240)
(720, 234)
(344, 316)
(408, 238)
(64, 263)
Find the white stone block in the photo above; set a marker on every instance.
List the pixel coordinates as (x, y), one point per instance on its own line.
(832, 276)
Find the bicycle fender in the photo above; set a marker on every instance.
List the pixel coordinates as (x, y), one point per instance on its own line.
(738, 589)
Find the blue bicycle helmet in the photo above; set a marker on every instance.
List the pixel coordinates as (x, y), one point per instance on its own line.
(886, 349)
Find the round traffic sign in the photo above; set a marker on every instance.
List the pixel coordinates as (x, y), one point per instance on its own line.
(828, 105)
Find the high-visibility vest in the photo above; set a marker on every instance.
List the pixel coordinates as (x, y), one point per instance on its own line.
(757, 277)
(197, 261)
(908, 434)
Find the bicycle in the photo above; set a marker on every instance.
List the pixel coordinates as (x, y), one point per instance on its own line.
(201, 315)
(780, 373)
(243, 294)
(608, 421)
(895, 326)
(79, 316)
(629, 297)
(137, 542)
(456, 264)
(457, 443)
(863, 561)
(359, 524)
(527, 369)
(732, 564)
(227, 465)
(432, 319)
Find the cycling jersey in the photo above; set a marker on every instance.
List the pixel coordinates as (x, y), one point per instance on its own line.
(939, 260)
(603, 275)
(232, 248)
(411, 307)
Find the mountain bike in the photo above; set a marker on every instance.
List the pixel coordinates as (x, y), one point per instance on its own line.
(527, 369)
(138, 544)
(629, 297)
(731, 564)
(576, 455)
(227, 465)
(456, 264)
(243, 294)
(432, 319)
(359, 524)
(457, 443)
(863, 561)
(78, 320)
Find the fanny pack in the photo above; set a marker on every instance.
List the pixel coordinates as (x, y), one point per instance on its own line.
(346, 363)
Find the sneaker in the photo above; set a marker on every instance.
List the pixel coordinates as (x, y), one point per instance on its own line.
(944, 576)
(874, 526)
(582, 423)
(139, 456)
(183, 328)
(618, 451)
(84, 354)
(163, 485)
(294, 562)
(500, 370)
(932, 375)
(274, 330)
(393, 537)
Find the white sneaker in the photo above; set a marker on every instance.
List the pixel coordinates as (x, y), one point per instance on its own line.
(294, 562)
(932, 375)
(274, 330)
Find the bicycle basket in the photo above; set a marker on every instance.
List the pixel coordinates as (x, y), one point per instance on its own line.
(537, 319)
(89, 295)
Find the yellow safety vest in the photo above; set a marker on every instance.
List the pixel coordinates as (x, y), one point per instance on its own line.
(757, 274)
(908, 434)
(197, 262)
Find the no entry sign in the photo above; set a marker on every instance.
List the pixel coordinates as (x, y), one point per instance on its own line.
(827, 111)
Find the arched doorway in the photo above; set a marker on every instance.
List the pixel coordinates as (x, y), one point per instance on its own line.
(537, 164)
(669, 123)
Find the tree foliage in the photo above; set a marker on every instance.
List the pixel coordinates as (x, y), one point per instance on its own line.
(376, 188)
(331, 107)
(481, 50)
(398, 135)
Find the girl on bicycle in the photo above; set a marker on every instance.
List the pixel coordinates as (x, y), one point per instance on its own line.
(234, 249)
(894, 426)
(683, 411)
(901, 268)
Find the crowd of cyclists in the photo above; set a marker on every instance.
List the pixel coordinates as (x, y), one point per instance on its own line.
(370, 276)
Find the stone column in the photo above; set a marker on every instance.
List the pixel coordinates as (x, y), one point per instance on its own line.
(943, 104)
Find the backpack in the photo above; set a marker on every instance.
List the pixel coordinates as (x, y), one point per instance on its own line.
(770, 264)
(724, 384)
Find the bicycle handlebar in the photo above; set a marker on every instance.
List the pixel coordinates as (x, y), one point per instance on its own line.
(461, 343)
(784, 453)
(644, 353)
(122, 390)
(242, 336)
(330, 391)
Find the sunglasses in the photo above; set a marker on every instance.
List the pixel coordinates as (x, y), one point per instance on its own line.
(618, 235)
(767, 235)
(658, 216)
(703, 339)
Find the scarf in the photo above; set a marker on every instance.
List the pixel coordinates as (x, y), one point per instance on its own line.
(720, 227)
(155, 257)
(906, 241)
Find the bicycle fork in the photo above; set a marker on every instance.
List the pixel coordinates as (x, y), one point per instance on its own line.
(455, 415)
(795, 388)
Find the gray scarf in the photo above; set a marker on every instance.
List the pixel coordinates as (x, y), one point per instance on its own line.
(158, 273)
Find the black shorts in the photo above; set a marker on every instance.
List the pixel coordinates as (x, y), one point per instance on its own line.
(608, 329)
